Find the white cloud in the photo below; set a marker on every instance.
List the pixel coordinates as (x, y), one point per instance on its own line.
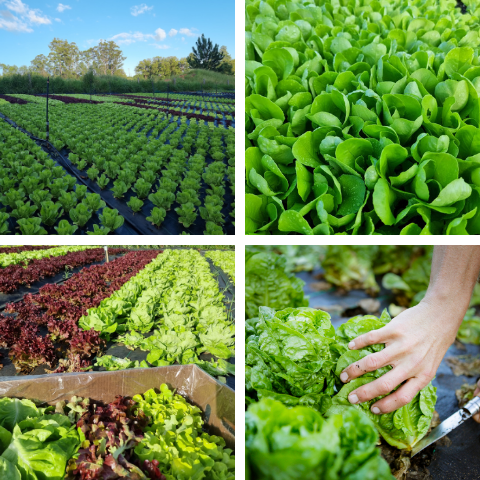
(172, 32)
(61, 7)
(24, 19)
(160, 34)
(188, 32)
(57, 20)
(17, 6)
(161, 47)
(14, 25)
(38, 18)
(139, 9)
(129, 38)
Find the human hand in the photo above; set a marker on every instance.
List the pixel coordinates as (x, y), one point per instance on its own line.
(415, 343)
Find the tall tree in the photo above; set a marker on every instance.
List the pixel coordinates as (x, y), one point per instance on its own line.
(41, 65)
(227, 65)
(88, 61)
(164, 67)
(144, 68)
(109, 57)
(8, 69)
(64, 57)
(206, 56)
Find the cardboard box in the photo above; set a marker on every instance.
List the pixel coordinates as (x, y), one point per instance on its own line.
(216, 400)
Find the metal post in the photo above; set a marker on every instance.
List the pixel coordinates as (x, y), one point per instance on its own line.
(48, 124)
(106, 253)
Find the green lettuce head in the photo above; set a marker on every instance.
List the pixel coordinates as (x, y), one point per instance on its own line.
(402, 428)
(288, 357)
(267, 283)
(285, 443)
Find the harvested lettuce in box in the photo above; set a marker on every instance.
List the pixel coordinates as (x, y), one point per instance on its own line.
(35, 443)
(402, 428)
(298, 443)
(268, 284)
(174, 438)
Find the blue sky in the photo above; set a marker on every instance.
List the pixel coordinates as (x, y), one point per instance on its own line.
(142, 30)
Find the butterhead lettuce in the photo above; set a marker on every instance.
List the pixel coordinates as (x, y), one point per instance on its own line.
(285, 443)
(402, 428)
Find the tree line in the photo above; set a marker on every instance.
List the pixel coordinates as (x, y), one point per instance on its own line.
(67, 61)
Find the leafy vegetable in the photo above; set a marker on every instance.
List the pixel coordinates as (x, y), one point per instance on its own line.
(35, 443)
(469, 331)
(288, 357)
(268, 284)
(112, 363)
(402, 428)
(179, 445)
(361, 119)
(291, 443)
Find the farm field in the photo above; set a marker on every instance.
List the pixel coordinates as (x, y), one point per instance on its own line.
(362, 118)
(75, 312)
(124, 164)
(309, 303)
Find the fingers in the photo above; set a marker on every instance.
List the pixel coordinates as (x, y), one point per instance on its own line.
(370, 338)
(370, 363)
(381, 386)
(400, 397)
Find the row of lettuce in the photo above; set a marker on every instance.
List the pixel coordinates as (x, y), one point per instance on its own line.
(362, 118)
(172, 309)
(167, 304)
(157, 169)
(297, 405)
(132, 438)
(27, 256)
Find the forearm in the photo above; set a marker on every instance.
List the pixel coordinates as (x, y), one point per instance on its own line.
(455, 270)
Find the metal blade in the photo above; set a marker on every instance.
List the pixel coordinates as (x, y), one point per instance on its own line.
(441, 430)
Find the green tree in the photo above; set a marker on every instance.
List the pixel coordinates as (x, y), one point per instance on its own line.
(88, 81)
(40, 65)
(109, 57)
(164, 67)
(88, 61)
(8, 69)
(64, 57)
(227, 65)
(144, 68)
(206, 56)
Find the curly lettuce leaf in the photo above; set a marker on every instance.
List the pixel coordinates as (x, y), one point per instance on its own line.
(267, 284)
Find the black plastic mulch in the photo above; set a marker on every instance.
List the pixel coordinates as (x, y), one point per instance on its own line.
(35, 287)
(135, 223)
(126, 229)
(460, 460)
(8, 372)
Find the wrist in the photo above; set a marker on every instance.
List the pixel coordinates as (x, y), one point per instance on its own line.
(454, 306)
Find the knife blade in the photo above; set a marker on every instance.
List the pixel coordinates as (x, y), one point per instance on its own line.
(470, 409)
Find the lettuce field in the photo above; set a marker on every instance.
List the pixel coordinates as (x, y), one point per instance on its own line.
(64, 309)
(362, 117)
(125, 165)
